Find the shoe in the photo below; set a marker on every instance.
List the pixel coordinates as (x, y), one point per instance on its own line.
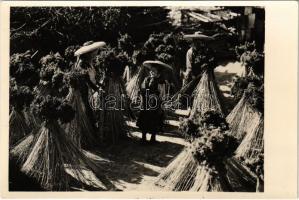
(153, 141)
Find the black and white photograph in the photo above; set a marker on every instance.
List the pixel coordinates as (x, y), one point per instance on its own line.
(136, 98)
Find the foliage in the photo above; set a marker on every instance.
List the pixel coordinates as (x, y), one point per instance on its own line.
(111, 60)
(251, 57)
(191, 128)
(52, 108)
(241, 84)
(213, 147)
(203, 59)
(20, 97)
(255, 96)
(125, 43)
(53, 61)
(188, 128)
(47, 73)
(55, 28)
(213, 119)
(23, 69)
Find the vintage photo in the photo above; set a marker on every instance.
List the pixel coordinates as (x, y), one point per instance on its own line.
(161, 98)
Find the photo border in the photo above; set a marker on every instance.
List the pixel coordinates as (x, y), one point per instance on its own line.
(281, 56)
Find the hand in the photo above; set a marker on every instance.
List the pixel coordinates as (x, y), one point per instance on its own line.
(95, 95)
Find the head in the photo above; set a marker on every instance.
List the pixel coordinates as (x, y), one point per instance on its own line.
(138, 57)
(154, 72)
(90, 56)
(197, 44)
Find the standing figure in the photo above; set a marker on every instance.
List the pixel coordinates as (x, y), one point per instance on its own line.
(151, 116)
(197, 49)
(112, 109)
(84, 65)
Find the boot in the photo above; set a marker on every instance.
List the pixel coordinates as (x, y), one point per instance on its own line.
(143, 139)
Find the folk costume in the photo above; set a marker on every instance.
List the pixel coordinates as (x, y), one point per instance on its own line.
(151, 116)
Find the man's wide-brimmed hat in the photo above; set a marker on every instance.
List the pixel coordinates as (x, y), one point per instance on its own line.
(198, 36)
(157, 64)
(89, 47)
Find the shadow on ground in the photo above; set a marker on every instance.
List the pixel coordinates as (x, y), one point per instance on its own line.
(130, 161)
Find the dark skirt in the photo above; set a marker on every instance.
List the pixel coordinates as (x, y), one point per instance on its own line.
(150, 121)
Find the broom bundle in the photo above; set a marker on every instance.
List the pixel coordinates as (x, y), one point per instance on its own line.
(20, 98)
(79, 129)
(111, 118)
(180, 174)
(206, 96)
(256, 165)
(242, 119)
(50, 157)
(133, 86)
(245, 117)
(17, 127)
(200, 166)
(112, 123)
(24, 69)
(32, 121)
(253, 142)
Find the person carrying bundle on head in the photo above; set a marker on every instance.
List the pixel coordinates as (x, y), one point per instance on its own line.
(197, 58)
(85, 58)
(197, 49)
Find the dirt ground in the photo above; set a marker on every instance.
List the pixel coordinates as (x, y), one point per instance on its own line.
(132, 165)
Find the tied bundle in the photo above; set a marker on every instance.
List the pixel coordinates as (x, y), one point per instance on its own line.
(55, 61)
(111, 119)
(198, 165)
(253, 142)
(50, 157)
(52, 82)
(206, 96)
(189, 128)
(210, 151)
(245, 118)
(256, 165)
(20, 98)
(134, 85)
(69, 55)
(23, 69)
(80, 128)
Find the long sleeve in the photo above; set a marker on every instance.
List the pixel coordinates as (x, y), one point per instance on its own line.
(91, 84)
(189, 62)
(188, 72)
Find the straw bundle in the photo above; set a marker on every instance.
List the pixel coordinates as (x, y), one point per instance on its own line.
(32, 121)
(206, 96)
(200, 167)
(133, 86)
(239, 176)
(112, 124)
(49, 156)
(253, 142)
(243, 118)
(17, 127)
(80, 129)
(20, 98)
(179, 174)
